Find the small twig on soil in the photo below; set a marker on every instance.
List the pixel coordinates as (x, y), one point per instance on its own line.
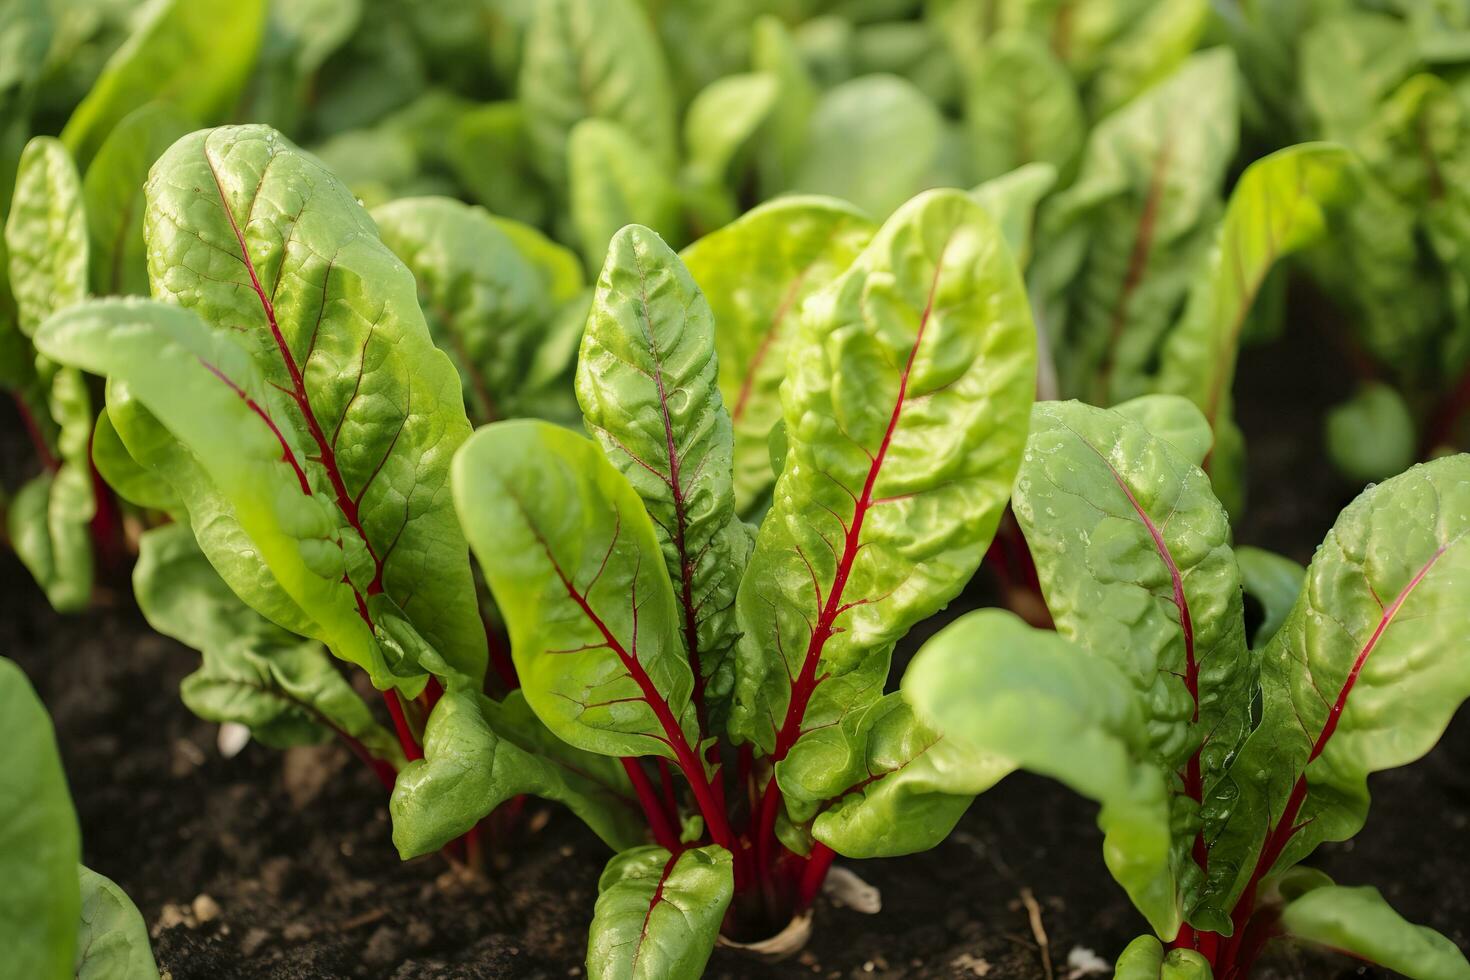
(1038, 931)
(358, 921)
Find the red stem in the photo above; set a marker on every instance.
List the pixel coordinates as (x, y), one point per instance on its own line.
(658, 820)
(813, 873)
(411, 749)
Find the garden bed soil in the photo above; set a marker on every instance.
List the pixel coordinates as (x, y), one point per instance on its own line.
(279, 865)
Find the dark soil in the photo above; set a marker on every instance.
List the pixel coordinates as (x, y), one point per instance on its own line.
(278, 865)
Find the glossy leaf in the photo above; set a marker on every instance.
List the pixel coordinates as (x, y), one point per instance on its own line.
(487, 305)
(39, 842)
(756, 273)
(1021, 106)
(1145, 959)
(287, 692)
(616, 181)
(871, 141)
(1364, 676)
(112, 943)
(658, 914)
(646, 381)
(1002, 688)
(1121, 245)
(163, 54)
(1359, 922)
(472, 764)
(905, 408)
(47, 525)
(113, 190)
(595, 59)
(1173, 419)
(882, 783)
(571, 557)
(251, 233)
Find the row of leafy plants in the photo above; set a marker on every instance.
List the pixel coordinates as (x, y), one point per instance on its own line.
(281, 420)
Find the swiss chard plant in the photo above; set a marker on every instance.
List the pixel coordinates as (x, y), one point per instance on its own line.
(1221, 760)
(734, 675)
(58, 919)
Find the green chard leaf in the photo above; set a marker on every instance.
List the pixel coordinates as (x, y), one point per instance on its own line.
(286, 691)
(112, 943)
(722, 119)
(595, 59)
(1359, 922)
(40, 901)
(1021, 106)
(782, 142)
(46, 234)
(478, 754)
(1133, 553)
(488, 304)
(881, 783)
(1173, 419)
(616, 181)
(905, 408)
(1012, 198)
(1002, 688)
(658, 914)
(1146, 959)
(1120, 247)
(46, 238)
(1372, 436)
(161, 60)
(756, 274)
(646, 381)
(872, 141)
(303, 405)
(1364, 676)
(113, 189)
(573, 561)
(1278, 207)
(128, 478)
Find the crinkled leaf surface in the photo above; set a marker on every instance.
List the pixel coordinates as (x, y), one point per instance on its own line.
(882, 783)
(1029, 696)
(194, 54)
(112, 943)
(1133, 552)
(46, 234)
(39, 841)
(905, 407)
(575, 566)
(1174, 419)
(658, 914)
(1364, 675)
(756, 273)
(330, 366)
(647, 384)
(472, 763)
(113, 190)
